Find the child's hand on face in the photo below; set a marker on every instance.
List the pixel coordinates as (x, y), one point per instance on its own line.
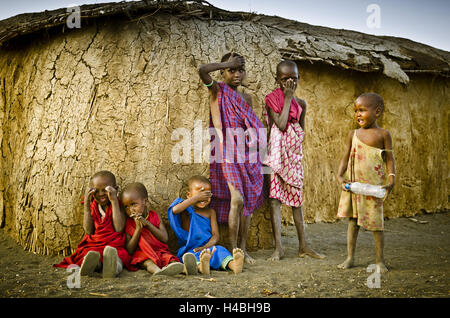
(89, 195)
(112, 193)
(139, 224)
(202, 196)
(288, 88)
(139, 220)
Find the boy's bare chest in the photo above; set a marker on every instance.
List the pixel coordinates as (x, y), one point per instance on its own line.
(185, 219)
(206, 214)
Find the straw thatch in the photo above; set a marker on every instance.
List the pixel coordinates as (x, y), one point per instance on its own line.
(393, 56)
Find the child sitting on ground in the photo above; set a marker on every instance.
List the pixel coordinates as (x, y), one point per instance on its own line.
(103, 245)
(146, 235)
(195, 225)
(368, 151)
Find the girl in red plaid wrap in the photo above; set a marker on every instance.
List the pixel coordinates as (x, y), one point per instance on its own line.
(237, 187)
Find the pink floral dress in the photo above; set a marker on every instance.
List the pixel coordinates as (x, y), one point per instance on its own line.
(285, 153)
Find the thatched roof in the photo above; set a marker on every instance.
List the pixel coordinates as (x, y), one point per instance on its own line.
(395, 57)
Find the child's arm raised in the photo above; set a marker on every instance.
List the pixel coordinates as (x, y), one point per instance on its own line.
(390, 163)
(281, 119)
(118, 216)
(215, 236)
(204, 70)
(344, 161)
(234, 62)
(88, 223)
(202, 195)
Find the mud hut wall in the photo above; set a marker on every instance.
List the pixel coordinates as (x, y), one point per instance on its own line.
(109, 96)
(417, 117)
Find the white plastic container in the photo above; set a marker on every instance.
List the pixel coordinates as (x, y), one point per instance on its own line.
(366, 189)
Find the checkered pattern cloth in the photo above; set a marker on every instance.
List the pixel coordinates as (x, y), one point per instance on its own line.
(246, 176)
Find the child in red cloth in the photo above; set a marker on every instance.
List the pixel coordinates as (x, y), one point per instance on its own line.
(146, 235)
(103, 245)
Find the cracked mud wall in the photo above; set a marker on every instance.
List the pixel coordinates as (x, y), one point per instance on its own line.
(109, 96)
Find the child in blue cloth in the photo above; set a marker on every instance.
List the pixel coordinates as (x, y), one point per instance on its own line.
(195, 225)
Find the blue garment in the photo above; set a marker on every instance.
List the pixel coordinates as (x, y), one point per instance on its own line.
(199, 234)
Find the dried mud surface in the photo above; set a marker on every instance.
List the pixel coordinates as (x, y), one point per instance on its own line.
(417, 253)
(114, 95)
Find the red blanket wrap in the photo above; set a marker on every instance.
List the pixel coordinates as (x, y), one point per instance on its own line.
(149, 247)
(275, 100)
(104, 235)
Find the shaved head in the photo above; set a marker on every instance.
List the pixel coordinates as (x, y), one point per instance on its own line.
(372, 100)
(105, 174)
(198, 178)
(136, 187)
(285, 63)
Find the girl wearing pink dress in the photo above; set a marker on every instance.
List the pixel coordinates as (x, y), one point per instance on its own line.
(286, 121)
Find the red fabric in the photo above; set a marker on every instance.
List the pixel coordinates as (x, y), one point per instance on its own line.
(275, 100)
(149, 247)
(104, 235)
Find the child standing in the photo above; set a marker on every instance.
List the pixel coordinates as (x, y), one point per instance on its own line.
(103, 245)
(195, 225)
(368, 152)
(237, 186)
(146, 235)
(286, 121)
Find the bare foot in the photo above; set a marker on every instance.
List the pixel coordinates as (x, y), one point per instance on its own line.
(348, 263)
(311, 253)
(205, 256)
(277, 255)
(238, 261)
(248, 259)
(381, 268)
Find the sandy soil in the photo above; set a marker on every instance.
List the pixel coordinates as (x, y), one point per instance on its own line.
(417, 254)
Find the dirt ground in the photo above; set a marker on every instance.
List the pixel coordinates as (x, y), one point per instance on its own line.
(417, 252)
